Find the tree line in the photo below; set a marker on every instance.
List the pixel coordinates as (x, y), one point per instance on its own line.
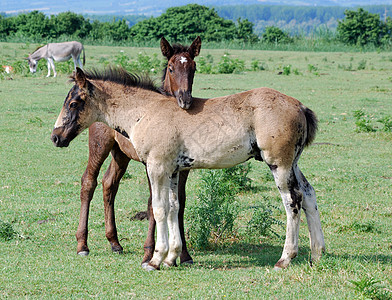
(177, 23)
(183, 23)
(301, 14)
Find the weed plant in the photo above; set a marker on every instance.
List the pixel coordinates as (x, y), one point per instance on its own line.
(368, 288)
(365, 123)
(143, 63)
(212, 219)
(262, 223)
(7, 232)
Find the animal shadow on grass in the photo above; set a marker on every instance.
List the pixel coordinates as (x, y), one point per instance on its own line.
(239, 255)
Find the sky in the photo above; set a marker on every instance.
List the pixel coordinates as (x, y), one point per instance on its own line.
(148, 7)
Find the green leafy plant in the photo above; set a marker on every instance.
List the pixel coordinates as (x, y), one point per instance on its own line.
(261, 223)
(7, 232)
(312, 69)
(256, 65)
(228, 65)
(362, 122)
(387, 122)
(215, 212)
(143, 63)
(204, 65)
(286, 70)
(368, 288)
(237, 177)
(362, 65)
(212, 218)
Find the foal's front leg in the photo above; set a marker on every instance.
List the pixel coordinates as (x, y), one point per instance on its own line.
(110, 184)
(101, 141)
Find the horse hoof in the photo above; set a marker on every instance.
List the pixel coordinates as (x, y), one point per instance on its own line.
(83, 253)
(188, 262)
(117, 251)
(148, 267)
(168, 265)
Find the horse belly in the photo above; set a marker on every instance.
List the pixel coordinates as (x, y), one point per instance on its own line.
(61, 58)
(219, 156)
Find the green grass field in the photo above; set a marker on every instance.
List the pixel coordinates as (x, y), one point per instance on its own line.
(350, 169)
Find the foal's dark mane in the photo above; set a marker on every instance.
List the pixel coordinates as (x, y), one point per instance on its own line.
(121, 76)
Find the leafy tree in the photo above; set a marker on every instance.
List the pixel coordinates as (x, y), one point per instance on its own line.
(274, 34)
(6, 27)
(189, 21)
(32, 24)
(69, 24)
(245, 31)
(361, 27)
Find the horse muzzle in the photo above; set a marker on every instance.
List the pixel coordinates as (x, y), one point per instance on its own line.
(184, 99)
(59, 141)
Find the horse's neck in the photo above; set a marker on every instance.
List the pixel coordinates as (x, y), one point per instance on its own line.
(118, 109)
(40, 53)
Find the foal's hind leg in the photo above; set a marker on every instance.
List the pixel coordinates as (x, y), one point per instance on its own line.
(110, 183)
(287, 184)
(309, 206)
(100, 144)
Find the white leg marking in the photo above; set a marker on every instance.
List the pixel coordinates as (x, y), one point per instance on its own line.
(309, 205)
(290, 248)
(160, 204)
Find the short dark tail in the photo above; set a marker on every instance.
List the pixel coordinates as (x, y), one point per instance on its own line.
(312, 125)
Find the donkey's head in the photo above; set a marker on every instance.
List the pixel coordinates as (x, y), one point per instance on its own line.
(32, 64)
(181, 67)
(76, 114)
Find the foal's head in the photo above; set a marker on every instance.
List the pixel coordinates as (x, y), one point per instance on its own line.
(80, 108)
(181, 67)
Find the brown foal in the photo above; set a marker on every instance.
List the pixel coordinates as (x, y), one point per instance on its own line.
(177, 81)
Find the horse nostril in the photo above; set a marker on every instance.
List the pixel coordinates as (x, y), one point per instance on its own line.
(55, 139)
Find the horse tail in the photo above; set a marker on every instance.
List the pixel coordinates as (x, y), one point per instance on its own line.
(312, 125)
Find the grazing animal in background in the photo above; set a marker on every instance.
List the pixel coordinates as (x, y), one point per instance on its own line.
(214, 133)
(177, 81)
(8, 69)
(57, 52)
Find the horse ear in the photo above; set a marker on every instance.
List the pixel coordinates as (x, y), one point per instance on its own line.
(80, 78)
(166, 48)
(194, 49)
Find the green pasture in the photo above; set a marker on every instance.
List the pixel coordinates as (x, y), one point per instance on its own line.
(350, 169)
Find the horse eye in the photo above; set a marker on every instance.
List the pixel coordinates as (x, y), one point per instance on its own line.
(73, 105)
